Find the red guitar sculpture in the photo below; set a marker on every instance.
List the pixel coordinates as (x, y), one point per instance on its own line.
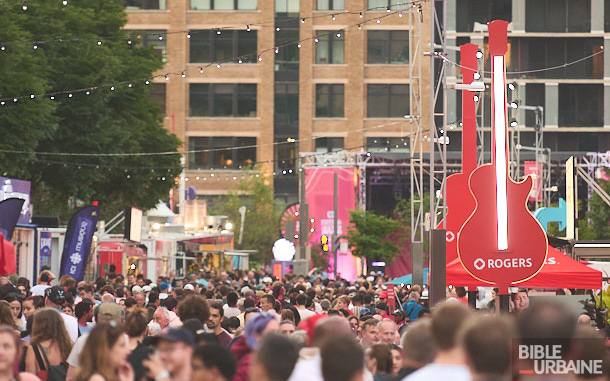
(501, 242)
(460, 203)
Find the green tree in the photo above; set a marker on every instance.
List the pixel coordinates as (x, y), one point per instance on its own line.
(370, 235)
(262, 222)
(596, 224)
(113, 135)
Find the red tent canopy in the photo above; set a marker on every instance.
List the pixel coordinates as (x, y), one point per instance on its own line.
(560, 271)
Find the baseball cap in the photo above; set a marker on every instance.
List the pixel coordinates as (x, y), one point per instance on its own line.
(381, 306)
(189, 286)
(178, 335)
(163, 286)
(146, 288)
(365, 310)
(55, 294)
(108, 311)
(245, 289)
(136, 290)
(383, 295)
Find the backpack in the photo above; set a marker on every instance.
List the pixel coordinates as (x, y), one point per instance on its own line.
(48, 372)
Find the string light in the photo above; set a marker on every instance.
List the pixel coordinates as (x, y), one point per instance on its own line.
(188, 35)
(183, 74)
(361, 15)
(166, 77)
(147, 82)
(303, 21)
(247, 28)
(218, 32)
(112, 88)
(25, 6)
(218, 65)
(201, 70)
(333, 17)
(400, 13)
(316, 39)
(65, 2)
(299, 44)
(277, 29)
(260, 58)
(129, 41)
(239, 60)
(378, 20)
(388, 10)
(99, 42)
(277, 50)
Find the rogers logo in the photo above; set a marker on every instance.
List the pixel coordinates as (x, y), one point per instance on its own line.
(479, 264)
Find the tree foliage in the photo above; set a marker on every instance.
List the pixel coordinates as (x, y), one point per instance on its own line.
(103, 146)
(370, 235)
(262, 222)
(596, 225)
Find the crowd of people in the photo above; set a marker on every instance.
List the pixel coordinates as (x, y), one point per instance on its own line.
(249, 326)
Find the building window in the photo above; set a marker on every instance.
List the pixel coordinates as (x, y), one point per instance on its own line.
(285, 156)
(329, 144)
(330, 5)
(145, 4)
(382, 5)
(329, 101)
(209, 46)
(558, 16)
(157, 94)
(530, 55)
(287, 7)
(387, 144)
(287, 57)
(222, 100)
(473, 15)
(330, 48)
(221, 152)
(388, 46)
(387, 101)
(581, 105)
(155, 38)
(224, 5)
(286, 104)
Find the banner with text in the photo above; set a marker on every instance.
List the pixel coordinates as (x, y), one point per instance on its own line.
(78, 242)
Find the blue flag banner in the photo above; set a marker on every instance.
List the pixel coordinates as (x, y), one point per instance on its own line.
(10, 211)
(77, 244)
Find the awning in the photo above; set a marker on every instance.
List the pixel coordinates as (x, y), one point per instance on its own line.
(560, 271)
(408, 279)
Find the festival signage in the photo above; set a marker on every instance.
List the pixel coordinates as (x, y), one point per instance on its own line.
(10, 212)
(78, 242)
(501, 243)
(44, 256)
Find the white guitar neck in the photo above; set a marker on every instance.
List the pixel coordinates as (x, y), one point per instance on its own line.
(499, 131)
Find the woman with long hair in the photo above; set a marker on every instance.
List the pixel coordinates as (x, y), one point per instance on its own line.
(104, 357)
(10, 355)
(32, 304)
(16, 304)
(6, 315)
(49, 337)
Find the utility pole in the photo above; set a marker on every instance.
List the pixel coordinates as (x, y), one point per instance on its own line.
(335, 221)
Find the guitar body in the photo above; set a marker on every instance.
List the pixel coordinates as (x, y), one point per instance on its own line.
(478, 238)
(460, 205)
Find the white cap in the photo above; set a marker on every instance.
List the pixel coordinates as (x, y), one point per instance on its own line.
(245, 289)
(189, 286)
(136, 290)
(146, 288)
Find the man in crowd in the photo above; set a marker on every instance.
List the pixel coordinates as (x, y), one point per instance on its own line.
(449, 362)
(216, 315)
(212, 362)
(301, 302)
(83, 312)
(55, 298)
(418, 347)
(287, 328)
(161, 317)
(387, 331)
(412, 306)
(173, 363)
(267, 301)
(369, 333)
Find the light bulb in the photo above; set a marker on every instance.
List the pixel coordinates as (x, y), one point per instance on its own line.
(15, 99)
(32, 96)
(201, 70)
(399, 13)
(361, 15)
(183, 74)
(247, 28)
(378, 20)
(99, 42)
(277, 29)
(88, 92)
(69, 95)
(277, 50)
(166, 77)
(188, 35)
(239, 60)
(260, 58)
(129, 41)
(112, 88)
(316, 39)
(479, 54)
(3, 48)
(359, 27)
(476, 76)
(339, 34)
(160, 38)
(35, 46)
(25, 6)
(52, 98)
(218, 65)
(333, 17)
(218, 32)
(130, 85)
(299, 44)
(147, 82)
(65, 2)
(476, 98)
(303, 21)
(388, 10)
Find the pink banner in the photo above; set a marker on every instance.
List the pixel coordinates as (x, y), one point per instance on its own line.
(319, 188)
(529, 168)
